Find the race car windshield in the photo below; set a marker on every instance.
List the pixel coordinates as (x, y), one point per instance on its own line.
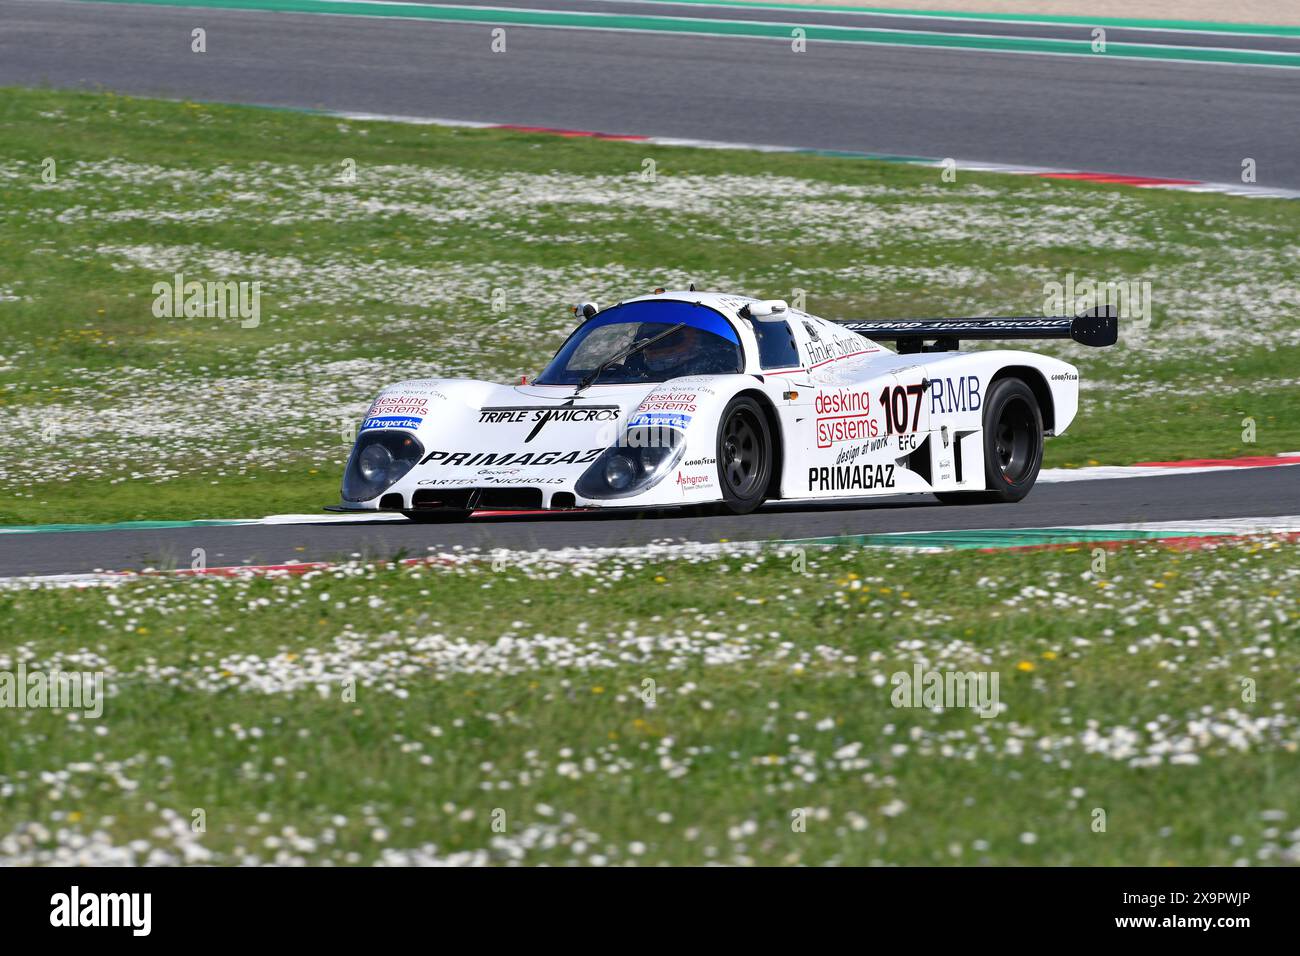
(695, 341)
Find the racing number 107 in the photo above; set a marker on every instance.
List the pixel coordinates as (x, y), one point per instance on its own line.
(895, 404)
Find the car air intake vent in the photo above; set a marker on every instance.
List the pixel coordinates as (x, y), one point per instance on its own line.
(919, 460)
(563, 499)
(451, 498)
(510, 497)
(461, 499)
(391, 502)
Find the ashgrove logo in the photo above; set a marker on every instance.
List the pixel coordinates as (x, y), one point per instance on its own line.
(208, 300)
(1131, 299)
(687, 482)
(977, 690)
(103, 909)
(66, 690)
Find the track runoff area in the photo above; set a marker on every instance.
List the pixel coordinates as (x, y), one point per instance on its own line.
(1026, 79)
(77, 553)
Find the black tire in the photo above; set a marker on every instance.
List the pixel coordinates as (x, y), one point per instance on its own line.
(744, 456)
(437, 517)
(1013, 446)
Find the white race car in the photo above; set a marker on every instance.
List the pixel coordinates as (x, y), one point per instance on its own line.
(723, 402)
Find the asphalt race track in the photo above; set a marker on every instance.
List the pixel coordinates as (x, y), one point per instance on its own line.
(1143, 117)
(1139, 117)
(1245, 493)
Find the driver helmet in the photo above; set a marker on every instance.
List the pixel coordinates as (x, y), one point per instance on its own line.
(674, 350)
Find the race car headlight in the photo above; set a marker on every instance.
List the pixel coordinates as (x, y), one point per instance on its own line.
(373, 463)
(379, 458)
(619, 472)
(633, 466)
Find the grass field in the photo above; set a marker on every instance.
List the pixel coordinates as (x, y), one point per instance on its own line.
(669, 706)
(457, 251)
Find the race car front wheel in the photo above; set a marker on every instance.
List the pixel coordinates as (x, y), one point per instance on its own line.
(1013, 445)
(744, 455)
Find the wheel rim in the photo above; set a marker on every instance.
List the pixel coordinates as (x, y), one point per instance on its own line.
(1013, 440)
(742, 454)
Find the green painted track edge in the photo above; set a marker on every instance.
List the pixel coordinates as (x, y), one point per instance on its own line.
(126, 525)
(738, 28)
(1185, 26)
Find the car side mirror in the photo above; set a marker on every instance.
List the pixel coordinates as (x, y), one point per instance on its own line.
(767, 310)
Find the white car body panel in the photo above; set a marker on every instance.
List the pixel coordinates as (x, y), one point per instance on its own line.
(835, 437)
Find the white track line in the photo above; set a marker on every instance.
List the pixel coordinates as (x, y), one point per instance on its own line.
(1107, 472)
(1281, 524)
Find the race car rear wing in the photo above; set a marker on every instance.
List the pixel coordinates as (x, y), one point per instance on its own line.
(1097, 327)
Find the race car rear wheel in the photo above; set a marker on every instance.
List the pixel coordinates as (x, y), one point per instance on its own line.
(744, 455)
(1013, 445)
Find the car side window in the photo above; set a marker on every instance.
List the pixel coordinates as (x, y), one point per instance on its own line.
(777, 347)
